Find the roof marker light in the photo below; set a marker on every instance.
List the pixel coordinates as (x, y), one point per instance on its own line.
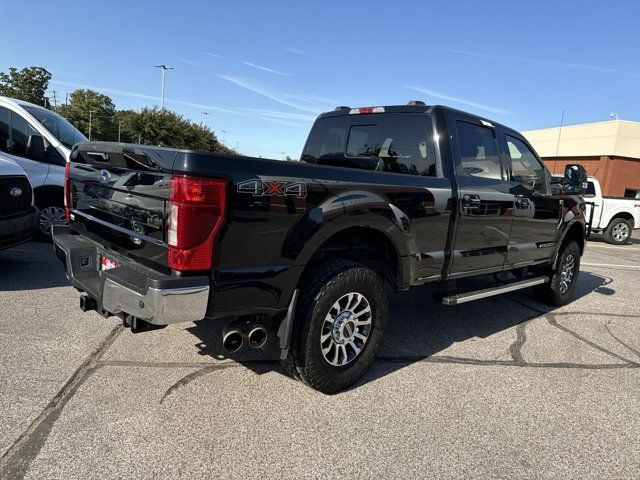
(362, 110)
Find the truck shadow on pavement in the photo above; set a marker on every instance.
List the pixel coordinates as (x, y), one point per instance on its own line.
(421, 329)
(30, 267)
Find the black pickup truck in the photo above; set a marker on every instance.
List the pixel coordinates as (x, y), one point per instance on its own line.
(296, 255)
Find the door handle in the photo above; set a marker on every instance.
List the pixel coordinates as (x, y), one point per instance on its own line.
(471, 201)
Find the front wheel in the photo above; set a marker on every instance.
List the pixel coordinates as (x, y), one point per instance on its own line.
(563, 278)
(341, 318)
(618, 232)
(51, 214)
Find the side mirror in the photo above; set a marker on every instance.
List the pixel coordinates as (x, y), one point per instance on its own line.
(36, 149)
(575, 180)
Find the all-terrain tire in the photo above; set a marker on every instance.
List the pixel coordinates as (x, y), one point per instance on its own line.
(618, 231)
(321, 289)
(558, 291)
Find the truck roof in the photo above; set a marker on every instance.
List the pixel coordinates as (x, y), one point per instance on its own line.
(412, 107)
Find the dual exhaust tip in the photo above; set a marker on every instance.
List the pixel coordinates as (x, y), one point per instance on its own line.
(256, 338)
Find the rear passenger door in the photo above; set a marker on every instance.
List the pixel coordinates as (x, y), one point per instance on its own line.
(485, 202)
(536, 212)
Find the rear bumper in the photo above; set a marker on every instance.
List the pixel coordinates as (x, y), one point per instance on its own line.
(131, 289)
(17, 229)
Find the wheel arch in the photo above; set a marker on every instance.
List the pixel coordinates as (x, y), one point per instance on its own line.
(365, 245)
(624, 215)
(575, 232)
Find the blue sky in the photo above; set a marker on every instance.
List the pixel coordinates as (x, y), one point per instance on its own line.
(264, 70)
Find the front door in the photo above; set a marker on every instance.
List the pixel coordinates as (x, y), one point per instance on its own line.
(485, 202)
(536, 212)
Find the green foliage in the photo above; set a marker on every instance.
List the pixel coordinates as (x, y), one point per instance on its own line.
(153, 126)
(28, 84)
(150, 126)
(81, 102)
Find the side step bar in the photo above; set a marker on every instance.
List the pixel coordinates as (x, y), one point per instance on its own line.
(490, 292)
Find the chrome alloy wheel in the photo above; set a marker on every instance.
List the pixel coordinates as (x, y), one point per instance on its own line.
(566, 273)
(620, 232)
(50, 216)
(346, 329)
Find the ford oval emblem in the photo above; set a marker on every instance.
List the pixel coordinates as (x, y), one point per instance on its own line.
(104, 176)
(15, 192)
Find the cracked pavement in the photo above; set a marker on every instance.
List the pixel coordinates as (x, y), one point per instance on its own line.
(500, 387)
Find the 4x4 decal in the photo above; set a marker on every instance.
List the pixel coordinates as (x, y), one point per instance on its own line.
(259, 188)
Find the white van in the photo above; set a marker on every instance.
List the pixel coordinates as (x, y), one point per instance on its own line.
(39, 140)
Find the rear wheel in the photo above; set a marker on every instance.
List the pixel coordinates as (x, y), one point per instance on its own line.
(618, 232)
(342, 315)
(563, 278)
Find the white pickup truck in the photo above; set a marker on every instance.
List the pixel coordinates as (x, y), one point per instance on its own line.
(616, 217)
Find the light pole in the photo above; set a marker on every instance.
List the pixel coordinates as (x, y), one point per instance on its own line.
(205, 115)
(164, 70)
(119, 129)
(224, 137)
(90, 118)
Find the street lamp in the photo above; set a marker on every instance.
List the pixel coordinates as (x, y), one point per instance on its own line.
(90, 118)
(164, 69)
(205, 115)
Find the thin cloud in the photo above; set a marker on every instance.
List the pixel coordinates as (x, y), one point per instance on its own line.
(192, 63)
(65, 74)
(461, 101)
(266, 115)
(266, 69)
(537, 61)
(210, 54)
(306, 103)
(297, 51)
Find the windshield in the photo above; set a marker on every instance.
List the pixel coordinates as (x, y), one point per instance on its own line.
(66, 133)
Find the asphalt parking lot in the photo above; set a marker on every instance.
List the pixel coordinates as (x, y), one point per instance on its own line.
(503, 387)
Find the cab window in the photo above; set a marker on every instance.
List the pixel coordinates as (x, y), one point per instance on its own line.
(4, 129)
(20, 133)
(398, 143)
(526, 169)
(478, 151)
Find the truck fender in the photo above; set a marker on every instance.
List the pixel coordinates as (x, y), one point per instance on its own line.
(347, 210)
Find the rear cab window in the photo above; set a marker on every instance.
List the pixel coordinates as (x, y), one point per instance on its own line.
(390, 142)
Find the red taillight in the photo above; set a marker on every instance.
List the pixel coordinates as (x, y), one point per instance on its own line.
(67, 191)
(363, 110)
(196, 212)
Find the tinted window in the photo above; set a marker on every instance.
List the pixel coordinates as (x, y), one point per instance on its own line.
(406, 145)
(525, 167)
(403, 142)
(4, 129)
(20, 133)
(326, 141)
(362, 141)
(478, 151)
(60, 128)
(591, 190)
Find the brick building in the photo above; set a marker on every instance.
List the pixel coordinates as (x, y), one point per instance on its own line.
(610, 151)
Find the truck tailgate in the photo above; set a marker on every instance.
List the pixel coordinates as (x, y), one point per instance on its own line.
(119, 198)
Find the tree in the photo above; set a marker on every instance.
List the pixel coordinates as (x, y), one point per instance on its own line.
(163, 127)
(85, 105)
(28, 84)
